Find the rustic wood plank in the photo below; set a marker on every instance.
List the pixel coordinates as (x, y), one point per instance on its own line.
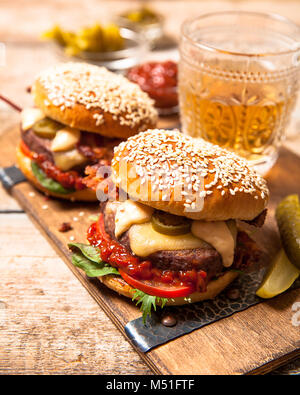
(7, 203)
(8, 118)
(243, 337)
(257, 345)
(49, 348)
(48, 322)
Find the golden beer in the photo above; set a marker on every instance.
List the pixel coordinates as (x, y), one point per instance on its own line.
(249, 129)
(240, 101)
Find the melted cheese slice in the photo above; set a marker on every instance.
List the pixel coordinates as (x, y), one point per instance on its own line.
(144, 240)
(129, 213)
(29, 116)
(65, 139)
(66, 160)
(111, 207)
(219, 236)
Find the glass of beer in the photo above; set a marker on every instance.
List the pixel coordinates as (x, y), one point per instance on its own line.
(238, 81)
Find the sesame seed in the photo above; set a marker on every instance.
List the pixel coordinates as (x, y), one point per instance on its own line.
(70, 84)
(169, 157)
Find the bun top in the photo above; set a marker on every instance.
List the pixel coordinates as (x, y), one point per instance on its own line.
(190, 177)
(94, 99)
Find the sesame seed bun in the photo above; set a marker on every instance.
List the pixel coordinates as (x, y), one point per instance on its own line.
(188, 177)
(93, 99)
(117, 284)
(24, 163)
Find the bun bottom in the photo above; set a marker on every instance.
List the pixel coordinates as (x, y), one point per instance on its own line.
(116, 283)
(24, 163)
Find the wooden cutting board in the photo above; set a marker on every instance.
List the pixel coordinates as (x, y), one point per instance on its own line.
(256, 340)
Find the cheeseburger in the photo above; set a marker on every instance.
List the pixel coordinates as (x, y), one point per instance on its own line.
(81, 112)
(172, 231)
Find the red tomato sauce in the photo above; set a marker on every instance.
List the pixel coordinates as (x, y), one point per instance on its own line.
(159, 80)
(68, 179)
(118, 256)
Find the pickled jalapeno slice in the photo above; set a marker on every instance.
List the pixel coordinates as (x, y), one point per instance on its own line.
(46, 128)
(169, 224)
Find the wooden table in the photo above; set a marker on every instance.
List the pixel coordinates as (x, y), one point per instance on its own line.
(48, 322)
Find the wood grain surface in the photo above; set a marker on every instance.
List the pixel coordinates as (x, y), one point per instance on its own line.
(257, 345)
(54, 326)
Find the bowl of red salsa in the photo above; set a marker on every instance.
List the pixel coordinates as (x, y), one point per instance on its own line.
(159, 80)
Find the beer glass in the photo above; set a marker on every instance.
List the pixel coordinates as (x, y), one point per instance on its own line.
(238, 81)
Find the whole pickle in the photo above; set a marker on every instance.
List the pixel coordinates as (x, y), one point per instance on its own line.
(288, 220)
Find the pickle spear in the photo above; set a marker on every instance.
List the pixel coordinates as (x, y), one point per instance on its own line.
(288, 220)
(278, 278)
(285, 269)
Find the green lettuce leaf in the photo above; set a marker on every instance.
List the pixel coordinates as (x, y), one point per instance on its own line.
(147, 302)
(47, 182)
(88, 259)
(90, 252)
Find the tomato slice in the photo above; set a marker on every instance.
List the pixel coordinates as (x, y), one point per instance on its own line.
(24, 148)
(158, 290)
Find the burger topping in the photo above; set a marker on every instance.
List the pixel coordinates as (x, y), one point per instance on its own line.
(151, 231)
(59, 165)
(46, 128)
(118, 256)
(145, 276)
(49, 183)
(160, 290)
(206, 259)
(69, 179)
(144, 240)
(58, 143)
(129, 213)
(169, 224)
(29, 116)
(218, 234)
(69, 159)
(65, 139)
(231, 224)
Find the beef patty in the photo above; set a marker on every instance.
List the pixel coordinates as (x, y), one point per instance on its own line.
(37, 144)
(207, 259)
(93, 146)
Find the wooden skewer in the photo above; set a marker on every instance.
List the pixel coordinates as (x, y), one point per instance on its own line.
(10, 103)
